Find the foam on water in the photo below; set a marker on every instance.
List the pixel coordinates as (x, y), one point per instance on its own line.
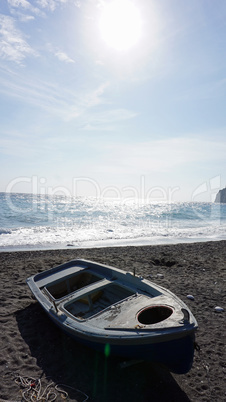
(36, 221)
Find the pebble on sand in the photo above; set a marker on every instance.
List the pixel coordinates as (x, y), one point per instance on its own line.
(160, 276)
(218, 309)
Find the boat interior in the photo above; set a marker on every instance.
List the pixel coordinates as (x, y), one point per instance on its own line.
(93, 300)
(97, 301)
(85, 294)
(66, 286)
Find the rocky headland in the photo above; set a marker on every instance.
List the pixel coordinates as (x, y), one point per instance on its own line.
(221, 196)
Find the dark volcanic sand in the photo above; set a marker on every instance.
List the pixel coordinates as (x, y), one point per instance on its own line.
(30, 345)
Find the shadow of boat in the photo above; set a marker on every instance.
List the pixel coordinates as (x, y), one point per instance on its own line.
(65, 361)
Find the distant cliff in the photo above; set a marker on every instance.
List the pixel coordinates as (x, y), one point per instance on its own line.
(221, 196)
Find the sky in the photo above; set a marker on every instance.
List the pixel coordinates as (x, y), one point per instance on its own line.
(113, 98)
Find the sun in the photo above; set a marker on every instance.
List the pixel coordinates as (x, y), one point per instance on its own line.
(120, 24)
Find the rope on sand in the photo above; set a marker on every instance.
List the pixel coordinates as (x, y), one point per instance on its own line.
(33, 391)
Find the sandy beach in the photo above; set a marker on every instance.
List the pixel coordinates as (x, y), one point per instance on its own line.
(31, 346)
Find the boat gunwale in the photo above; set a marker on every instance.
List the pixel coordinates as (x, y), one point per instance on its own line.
(124, 336)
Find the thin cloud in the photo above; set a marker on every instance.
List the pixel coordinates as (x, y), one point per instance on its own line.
(62, 102)
(43, 95)
(106, 120)
(52, 4)
(13, 46)
(25, 17)
(94, 98)
(59, 54)
(63, 57)
(17, 6)
(20, 3)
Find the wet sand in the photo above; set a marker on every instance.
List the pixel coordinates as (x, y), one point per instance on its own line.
(30, 344)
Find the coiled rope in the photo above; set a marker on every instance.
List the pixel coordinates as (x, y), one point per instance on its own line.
(33, 390)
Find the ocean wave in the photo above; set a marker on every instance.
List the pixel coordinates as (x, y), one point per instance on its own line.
(5, 231)
(47, 221)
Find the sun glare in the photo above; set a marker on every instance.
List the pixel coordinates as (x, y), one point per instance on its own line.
(120, 24)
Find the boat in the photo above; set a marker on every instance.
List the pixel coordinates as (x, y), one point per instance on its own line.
(118, 313)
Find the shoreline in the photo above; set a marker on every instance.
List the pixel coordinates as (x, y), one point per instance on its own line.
(110, 244)
(32, 346)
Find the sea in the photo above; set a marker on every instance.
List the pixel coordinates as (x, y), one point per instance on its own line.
(35, 222)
